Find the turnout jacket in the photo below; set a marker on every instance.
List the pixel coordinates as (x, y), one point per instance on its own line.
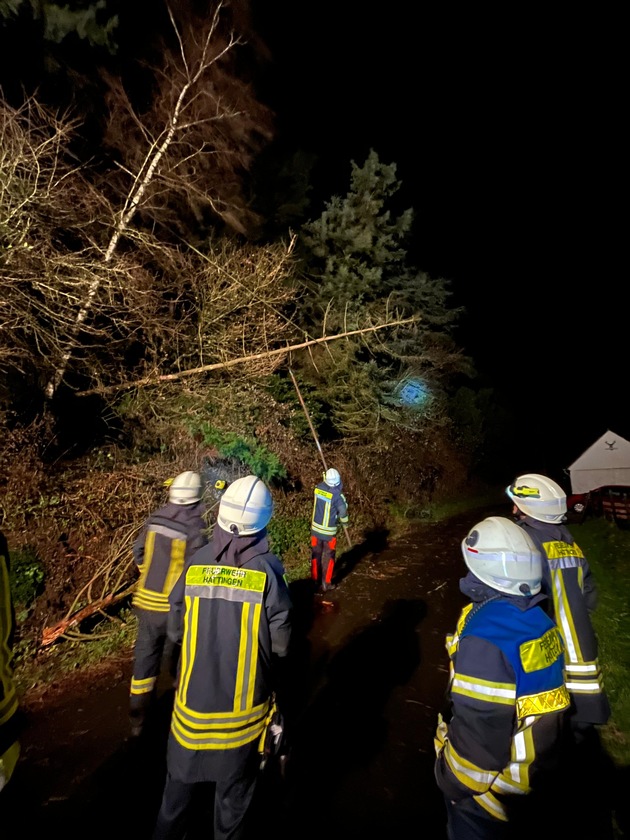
(507, 697)
(231, 612)
(572, 597)
(170, 535)
(330, 509)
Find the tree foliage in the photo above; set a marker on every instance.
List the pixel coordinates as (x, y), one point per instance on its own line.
(356, 267)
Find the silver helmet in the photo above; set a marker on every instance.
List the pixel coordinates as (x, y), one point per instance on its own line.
(503, 555)
(539, 497)
(245, 507)
(185, 489)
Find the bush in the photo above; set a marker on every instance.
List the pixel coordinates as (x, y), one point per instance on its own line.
(289, 538)
(260, 460)
(27, 579)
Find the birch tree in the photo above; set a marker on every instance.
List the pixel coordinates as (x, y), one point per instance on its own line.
(174, 155)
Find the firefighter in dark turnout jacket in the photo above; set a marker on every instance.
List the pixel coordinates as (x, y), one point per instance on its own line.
(541, 505)
(170, 535)
(506, 688)
(330, 509)
(10, 717)
(231, 611)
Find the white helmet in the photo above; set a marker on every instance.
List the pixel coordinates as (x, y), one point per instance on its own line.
(539, 497)
(245, 507)
(332, 478)
(185, 488)
(503, 555)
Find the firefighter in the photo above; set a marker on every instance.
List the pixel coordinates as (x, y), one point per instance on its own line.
(170, 535)
(10, 716)
(330, 509)
(231, 613)
(540, 505)
(506, 688)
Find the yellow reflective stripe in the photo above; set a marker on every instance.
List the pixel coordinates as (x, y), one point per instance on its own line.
(6, 619)
(218, 730)
(324, 525)
(191, 620)
(588, 668)
(584, 679)
(242, 659)
(142, 686)
(515, 777)
(216, 740)
(247, 657)
(222, 719)
(543, 703)
(493, 692)
(149, 600)
(324, 532)
(178, 550)
(469, 774)
(149, 545)
(463, 618)
(8, 761)
(253, 667)
(9, 704)
(564, 618)
(492, 805)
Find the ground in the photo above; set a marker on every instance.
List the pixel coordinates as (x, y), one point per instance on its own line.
(369, 676)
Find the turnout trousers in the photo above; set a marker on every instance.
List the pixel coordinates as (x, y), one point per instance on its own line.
(232, 802)
(466, 820)
(151, 650)
(323, 552)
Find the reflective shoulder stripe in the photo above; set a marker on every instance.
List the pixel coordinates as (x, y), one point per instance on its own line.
(484, 690)
(165, 531)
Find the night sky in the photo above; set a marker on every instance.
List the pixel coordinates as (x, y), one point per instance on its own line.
(507, 134)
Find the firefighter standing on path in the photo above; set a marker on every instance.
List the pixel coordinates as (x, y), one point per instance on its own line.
(330, 509)
(506, 691)
(541, 506)
(171, 535)
(231, 612)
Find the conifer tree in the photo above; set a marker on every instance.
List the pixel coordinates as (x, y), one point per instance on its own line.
(357, 269)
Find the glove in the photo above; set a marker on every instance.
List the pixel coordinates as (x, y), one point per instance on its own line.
(441, 735)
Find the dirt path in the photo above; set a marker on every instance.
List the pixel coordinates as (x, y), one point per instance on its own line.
(370, 677)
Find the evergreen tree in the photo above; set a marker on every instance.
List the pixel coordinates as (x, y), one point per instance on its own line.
(356, 271)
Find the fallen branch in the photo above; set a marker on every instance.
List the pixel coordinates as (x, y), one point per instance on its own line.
(50, 634)
(169, 377)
